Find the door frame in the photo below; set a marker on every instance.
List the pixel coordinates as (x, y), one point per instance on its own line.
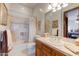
(65, 21)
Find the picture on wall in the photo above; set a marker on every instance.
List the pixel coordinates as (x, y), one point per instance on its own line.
(55, 28)
(55, 24)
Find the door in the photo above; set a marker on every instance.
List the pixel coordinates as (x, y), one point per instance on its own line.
(65, 26)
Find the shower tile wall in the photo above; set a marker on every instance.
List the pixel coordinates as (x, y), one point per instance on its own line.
(21, 31)
(24, 29)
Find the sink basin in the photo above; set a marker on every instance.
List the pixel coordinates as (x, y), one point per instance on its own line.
(56, 41)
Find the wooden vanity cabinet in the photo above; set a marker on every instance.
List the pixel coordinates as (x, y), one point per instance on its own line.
(57, 53)
(44, 50)
(38, 52)
(38, 48)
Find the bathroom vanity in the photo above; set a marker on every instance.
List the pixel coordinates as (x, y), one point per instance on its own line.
(52, 47)
(44, 50)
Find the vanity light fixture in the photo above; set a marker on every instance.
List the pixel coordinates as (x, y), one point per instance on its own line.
(54, 5)
(54, 10)
(49, 7)
(57, 6)
(65, 5)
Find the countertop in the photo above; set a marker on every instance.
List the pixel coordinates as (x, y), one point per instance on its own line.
(55, 43)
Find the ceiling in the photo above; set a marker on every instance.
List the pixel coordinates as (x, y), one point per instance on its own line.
(43, 6)
(30, 5)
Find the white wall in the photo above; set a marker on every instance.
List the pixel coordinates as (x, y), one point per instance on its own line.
(40, 16)
(17, 13)
(19, 10)
(57, 16)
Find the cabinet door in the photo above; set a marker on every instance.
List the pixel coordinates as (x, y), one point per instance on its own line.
(46, 50)
(38, 52)
(46, 53)
(59, 53)
(38, 48)
(38, 44)
(53, 53)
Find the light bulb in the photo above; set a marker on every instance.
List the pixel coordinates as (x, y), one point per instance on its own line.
(65, 5)
(49, 7)
(55, 4)
(58, 8)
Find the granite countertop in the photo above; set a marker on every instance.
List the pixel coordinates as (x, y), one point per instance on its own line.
(56, 43)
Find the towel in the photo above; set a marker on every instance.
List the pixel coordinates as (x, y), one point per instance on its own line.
(9, 37)
(1, 36)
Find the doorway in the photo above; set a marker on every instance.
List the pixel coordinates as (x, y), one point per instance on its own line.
(71, 28)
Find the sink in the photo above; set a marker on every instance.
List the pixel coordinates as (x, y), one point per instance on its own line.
(59, 41)
(56, 41)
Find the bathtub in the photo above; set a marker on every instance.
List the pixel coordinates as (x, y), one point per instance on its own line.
(24, 49)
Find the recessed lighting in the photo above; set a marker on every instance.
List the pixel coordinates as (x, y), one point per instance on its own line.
(58, 8)
(41, 10)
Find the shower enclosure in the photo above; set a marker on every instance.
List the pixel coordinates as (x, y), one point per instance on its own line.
(24, 31)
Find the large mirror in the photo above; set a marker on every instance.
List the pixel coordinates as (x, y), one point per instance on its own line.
(51, 24)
